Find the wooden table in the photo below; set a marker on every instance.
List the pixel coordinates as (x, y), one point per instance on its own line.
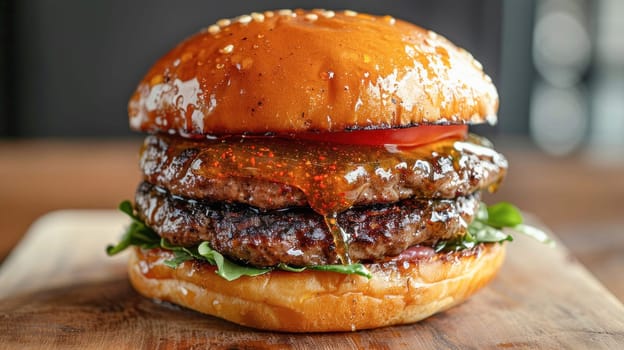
(39, 176)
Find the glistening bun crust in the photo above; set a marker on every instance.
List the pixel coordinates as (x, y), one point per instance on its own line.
(290, 71)
(312, 301)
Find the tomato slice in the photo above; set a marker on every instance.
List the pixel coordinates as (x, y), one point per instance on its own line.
(406, 137)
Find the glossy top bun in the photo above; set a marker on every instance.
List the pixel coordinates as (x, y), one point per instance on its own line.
(290, 71)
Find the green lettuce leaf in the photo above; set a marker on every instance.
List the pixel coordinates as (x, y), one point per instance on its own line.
(285, 267)
(136, 234)
(179, 259)
(357, 269)
(503, 214)
(482, 232)
(488, 225)
(351, 269)
(225, 268)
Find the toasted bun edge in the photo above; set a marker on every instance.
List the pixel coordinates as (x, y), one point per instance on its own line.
(314, 301)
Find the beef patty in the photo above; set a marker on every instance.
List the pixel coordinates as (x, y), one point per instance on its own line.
(272, 173)
(299, 236)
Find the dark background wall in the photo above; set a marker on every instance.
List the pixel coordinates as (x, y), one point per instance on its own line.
(69, 67)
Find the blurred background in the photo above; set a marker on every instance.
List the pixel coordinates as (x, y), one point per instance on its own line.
(68, 68)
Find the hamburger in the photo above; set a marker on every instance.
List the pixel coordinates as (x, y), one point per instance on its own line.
(311, 171)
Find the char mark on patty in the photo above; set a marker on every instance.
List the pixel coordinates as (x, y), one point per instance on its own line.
(299, 236)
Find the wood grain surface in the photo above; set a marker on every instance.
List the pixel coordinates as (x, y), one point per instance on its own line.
(59, 290)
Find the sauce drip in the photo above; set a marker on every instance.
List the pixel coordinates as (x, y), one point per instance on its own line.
(340, 238)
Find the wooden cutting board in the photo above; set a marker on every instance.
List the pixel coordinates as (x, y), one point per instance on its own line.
(59, 289)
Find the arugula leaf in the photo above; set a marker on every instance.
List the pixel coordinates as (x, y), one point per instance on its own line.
(464, 242)
(285, 267)
(225, 268)
(191, 252)
(126, 207)
(482, 232)
(136, 234)
(503, 214)
(180, 257)
(488, 225)
(357, 269)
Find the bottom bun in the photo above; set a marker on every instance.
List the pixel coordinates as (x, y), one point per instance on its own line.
(315, 301)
